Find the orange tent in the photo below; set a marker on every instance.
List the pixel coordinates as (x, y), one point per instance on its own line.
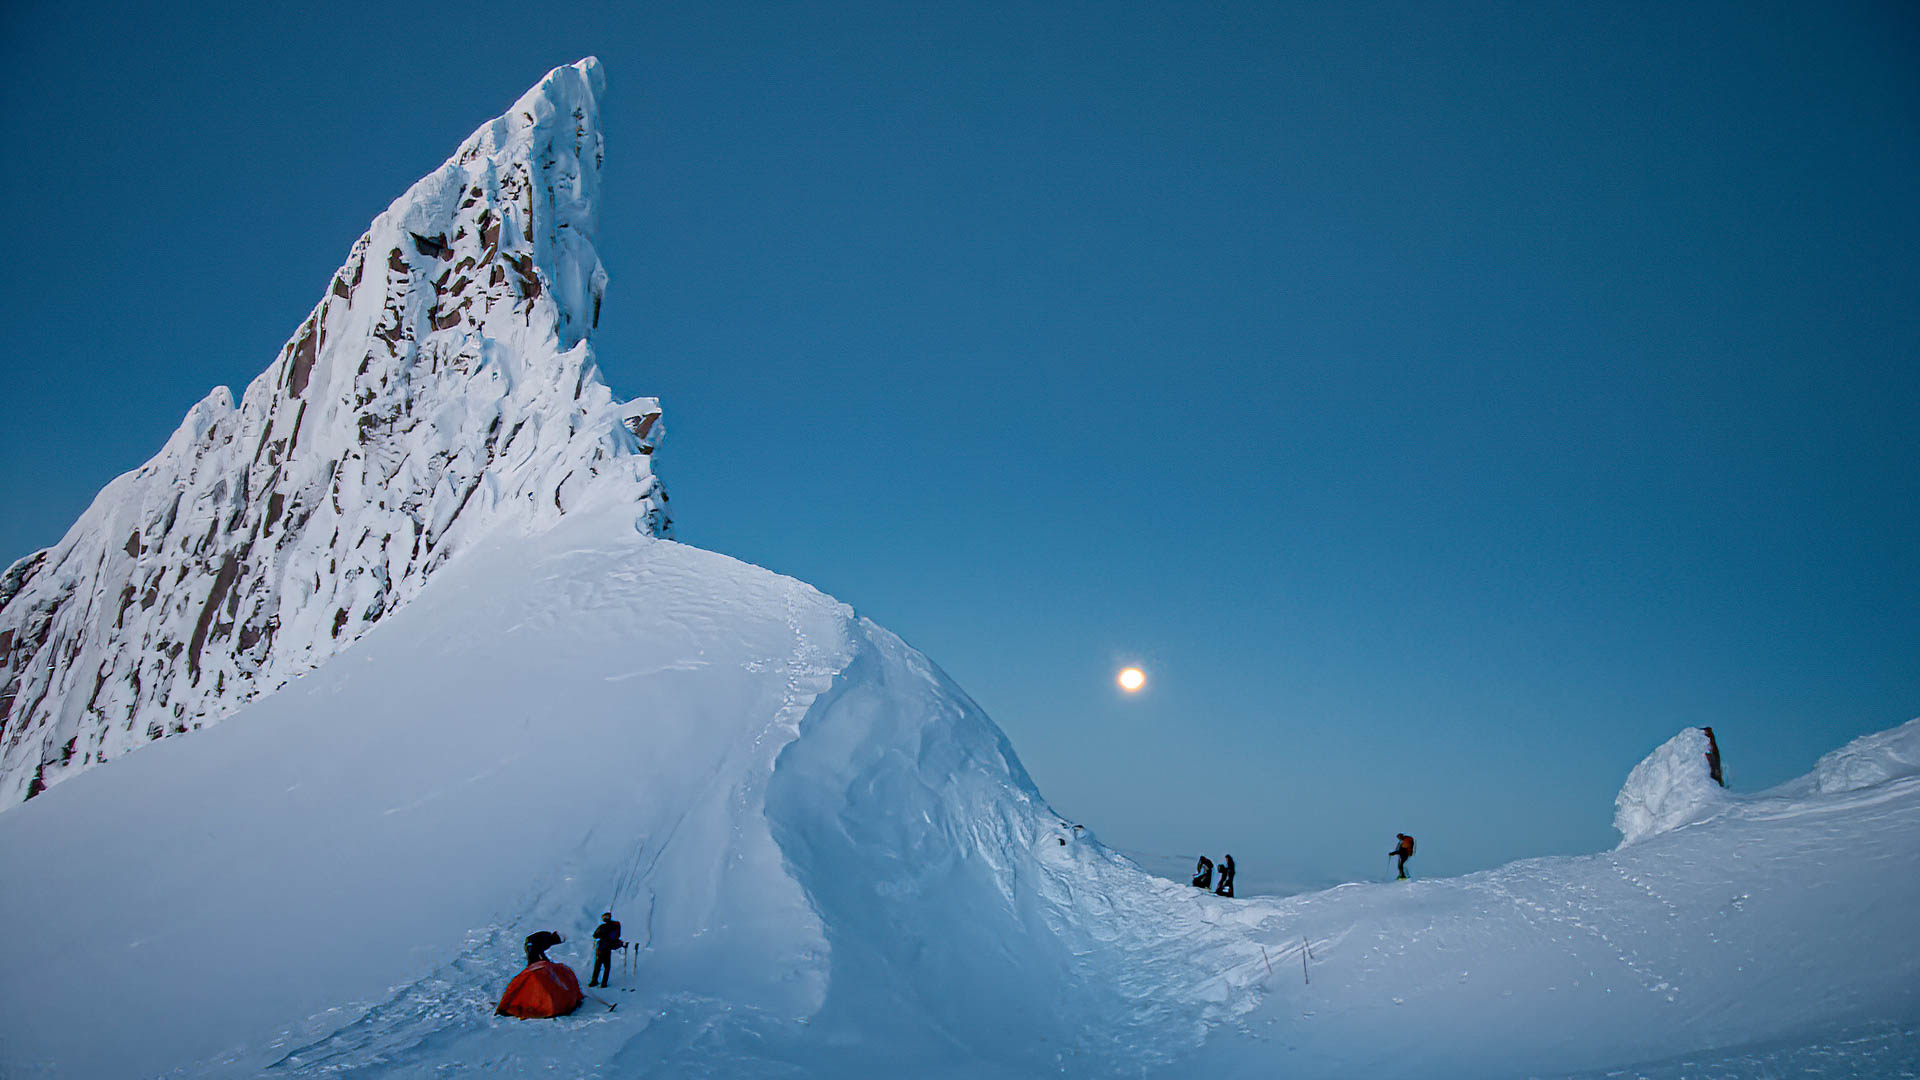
(544, 989)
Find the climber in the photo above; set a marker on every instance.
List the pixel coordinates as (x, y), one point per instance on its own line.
(1713, 757)
(1203, 874)
(606, 938)
(1226, 877)
(1404, 849)
(539, 942)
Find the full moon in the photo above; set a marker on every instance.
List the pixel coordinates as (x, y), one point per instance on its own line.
(1132, 679)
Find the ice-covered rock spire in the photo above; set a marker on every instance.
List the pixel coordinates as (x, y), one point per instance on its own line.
(444, 387)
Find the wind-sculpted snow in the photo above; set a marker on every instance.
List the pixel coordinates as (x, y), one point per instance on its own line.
(958, 901)
(1869, 760)
(442, 388)
(796, 814)
(1670, 788)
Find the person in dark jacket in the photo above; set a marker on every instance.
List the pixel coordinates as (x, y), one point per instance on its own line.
(606, 938)
(1225, 888)
(539, 942)
(1403, 849)
(1713, 757)
(1203, 874)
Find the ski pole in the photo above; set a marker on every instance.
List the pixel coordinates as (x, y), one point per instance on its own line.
(609, 1004)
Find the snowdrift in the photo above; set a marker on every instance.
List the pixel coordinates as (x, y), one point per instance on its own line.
(1668, 789)
(1870, 760)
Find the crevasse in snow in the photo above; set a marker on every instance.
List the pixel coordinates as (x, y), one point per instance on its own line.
(443, 386)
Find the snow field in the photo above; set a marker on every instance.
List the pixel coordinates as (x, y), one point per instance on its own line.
(836, 864)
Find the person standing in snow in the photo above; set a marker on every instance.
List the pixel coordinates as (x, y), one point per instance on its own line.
(1203, 874)
(1403, 849)
(1713, 757)
(538, 943)
(1226, 877)
(606, 938)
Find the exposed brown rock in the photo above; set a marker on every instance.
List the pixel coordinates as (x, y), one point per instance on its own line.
(529, 277)
(433, 247)
(229, 569)
(301, 367)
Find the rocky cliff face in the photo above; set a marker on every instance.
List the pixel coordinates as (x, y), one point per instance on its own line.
(445, 386)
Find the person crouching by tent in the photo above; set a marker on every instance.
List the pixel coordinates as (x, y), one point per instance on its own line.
(539, 942)
(606, 938)
(1403, 849)
(545, 988)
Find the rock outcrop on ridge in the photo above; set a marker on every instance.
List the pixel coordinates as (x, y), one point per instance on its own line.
(444, 386)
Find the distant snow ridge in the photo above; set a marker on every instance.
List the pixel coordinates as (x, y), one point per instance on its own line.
(443, 387)
(1869, 760)
(1668, 789)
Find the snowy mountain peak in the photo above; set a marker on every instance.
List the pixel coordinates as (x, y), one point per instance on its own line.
(444, 387)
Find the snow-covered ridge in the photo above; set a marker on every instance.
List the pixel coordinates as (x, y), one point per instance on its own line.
(1870, 760)
(835, 865)
(443, 387)
(1671, 788)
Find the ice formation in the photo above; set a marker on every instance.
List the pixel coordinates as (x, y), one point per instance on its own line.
(1671, 787)
(443, 386)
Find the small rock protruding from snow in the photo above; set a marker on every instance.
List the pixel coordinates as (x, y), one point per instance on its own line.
(1869, 760)
(1669, 788)
(641, 417)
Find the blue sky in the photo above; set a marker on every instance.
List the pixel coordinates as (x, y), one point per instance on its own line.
(1443, 406)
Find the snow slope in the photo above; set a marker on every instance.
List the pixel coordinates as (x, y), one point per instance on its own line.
(569, 720)
(443, 387)
(836, 864)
